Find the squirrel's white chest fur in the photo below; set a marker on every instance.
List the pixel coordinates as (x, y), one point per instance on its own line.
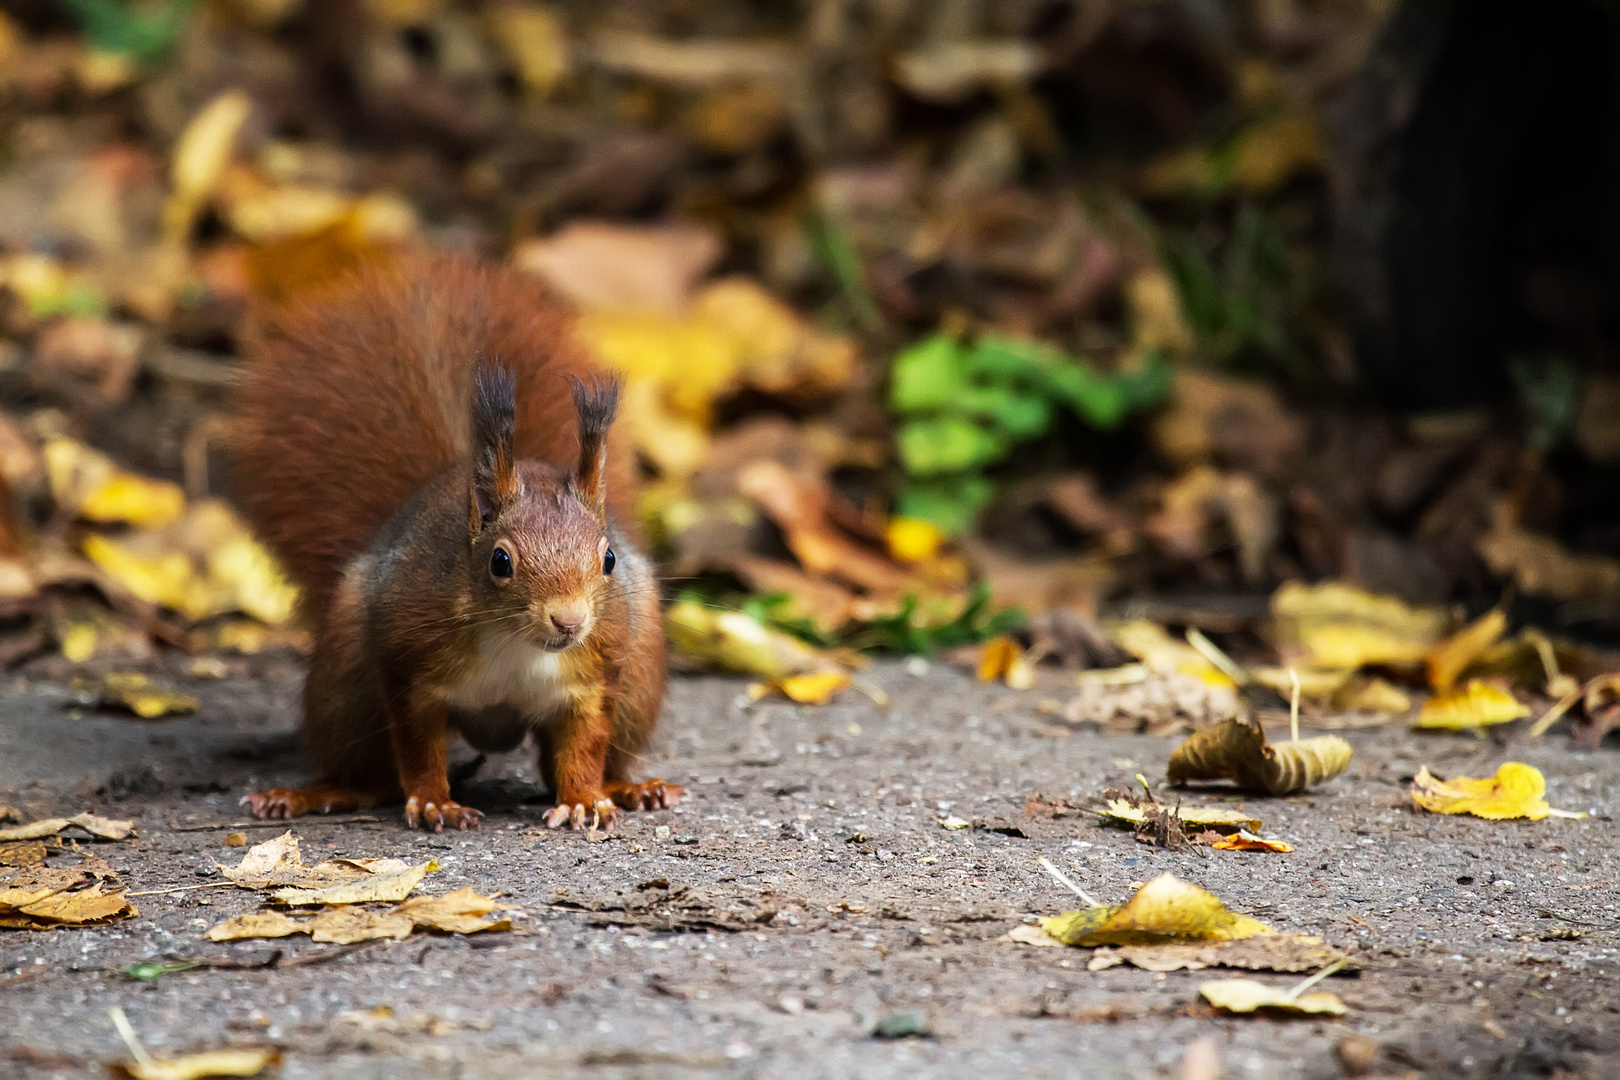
(512, 673)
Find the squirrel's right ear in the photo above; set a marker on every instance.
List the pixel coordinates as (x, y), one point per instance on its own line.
(494, 409)
(596, 402)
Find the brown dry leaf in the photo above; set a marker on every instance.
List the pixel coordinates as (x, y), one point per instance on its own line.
(278, 864)
(827, 604)
(42, 898)
(1478, 704)
(347, 925)
(1165, 909)
(23, 853)
(1133, 810)
(817, 688)
(735, 641)
(535, 41)
(243, 1062)
(1235, 422)
(1458, 652)
(99, 827)
(1234, 750)
(799, 505)
(949, 71)
(1002, 660)
(1338, 626)
(621, 268)
(1244, 840)
(461, 912)
(1540, 565)
(1516, 791)
(1247, 995)
(1199, 499)
(1285, 952)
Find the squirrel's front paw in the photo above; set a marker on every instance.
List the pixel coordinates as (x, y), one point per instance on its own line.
(597, 812)
(435, 815)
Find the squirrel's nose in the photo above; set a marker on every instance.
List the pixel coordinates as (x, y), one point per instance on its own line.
(568, 622)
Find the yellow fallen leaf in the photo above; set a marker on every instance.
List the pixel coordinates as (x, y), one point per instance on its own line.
(1030, 934)
(1234, 750)
(1475, 705)
(200, 156)
(278, 864)
(954, 823)
(1332, 625)
(104, 828)
(812, 689)
(1516, 791)
(1372, 695)
(258, 924)
(1244, 840)
(1165, 909)
(1315, 684)
(1248, 995)
(207, 1063)
(1002, 659)
(735, 641)
(86, 483)
(134, 691)
(1454, 655)
(912, 540)
(535, 43)
(461, 912)
(1152, 644)
(1203, 817)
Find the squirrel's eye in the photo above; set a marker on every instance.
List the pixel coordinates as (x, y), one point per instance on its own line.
(607, 561)
(500, 563)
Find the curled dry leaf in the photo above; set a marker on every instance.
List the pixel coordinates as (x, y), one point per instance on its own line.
(1001, 659)
(1247, 996)
(461, 912)
(813, 689)
(244, 1062)
(1478, 704)
(1152, 644)
(1234, 750)
(99, 827)
(278, 864)
(1516, 791)
(1165, 909)
(42, 898)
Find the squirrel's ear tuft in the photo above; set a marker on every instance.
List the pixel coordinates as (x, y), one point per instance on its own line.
(494, 407)
(596, 403)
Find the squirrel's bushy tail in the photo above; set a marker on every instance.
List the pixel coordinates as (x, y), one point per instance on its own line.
(353, 400)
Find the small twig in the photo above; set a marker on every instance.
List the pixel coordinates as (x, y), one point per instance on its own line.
(1318, 977)
(1556, 713)
(13, 980)
(312, 819)
(1067, 883)
(127, 1033)
(323, 956)
(1293, 705)
(1140, 779)
(1214, 654)
(182, 888)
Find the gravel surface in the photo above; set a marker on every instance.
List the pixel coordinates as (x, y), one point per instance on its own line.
(805, 896)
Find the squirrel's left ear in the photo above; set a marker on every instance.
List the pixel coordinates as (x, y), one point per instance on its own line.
(596, 402)
(495, 482)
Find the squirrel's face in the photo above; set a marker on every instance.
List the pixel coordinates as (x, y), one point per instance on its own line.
(545, 565)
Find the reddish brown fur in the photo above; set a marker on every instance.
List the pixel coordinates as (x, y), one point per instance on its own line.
(361, 403)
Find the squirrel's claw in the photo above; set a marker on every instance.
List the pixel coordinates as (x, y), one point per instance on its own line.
(602, 814)
(436, 815)
(654, 794)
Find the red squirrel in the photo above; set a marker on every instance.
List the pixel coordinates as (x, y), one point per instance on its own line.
(428, 452)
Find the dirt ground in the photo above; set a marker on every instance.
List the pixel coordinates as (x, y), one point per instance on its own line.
(805, 894)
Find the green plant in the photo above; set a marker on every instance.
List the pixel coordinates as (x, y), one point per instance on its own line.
(909, 633)
(142, 30)
(964, 406)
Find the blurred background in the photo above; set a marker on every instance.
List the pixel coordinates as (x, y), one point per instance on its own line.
(942, 319)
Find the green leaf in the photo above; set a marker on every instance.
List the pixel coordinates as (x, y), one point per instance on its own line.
(947, 444)
(1550, 390)
(831, 243)
(952, 503)
(927, 377)
(1020, 416)
(997, 357)
(152, 970)
(144, 31)
(1097, 399)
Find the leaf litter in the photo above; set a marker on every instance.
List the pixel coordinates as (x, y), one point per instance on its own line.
(1516, 791)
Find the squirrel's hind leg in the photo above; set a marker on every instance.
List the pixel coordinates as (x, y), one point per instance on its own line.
(319, 798)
